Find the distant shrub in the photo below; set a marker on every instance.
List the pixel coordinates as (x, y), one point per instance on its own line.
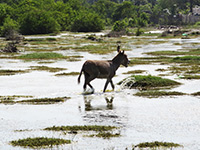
(138, 32)
(132, 22)
(197, 24)
(9, 25)
(38, 22)
(119, 26)
(87, 22)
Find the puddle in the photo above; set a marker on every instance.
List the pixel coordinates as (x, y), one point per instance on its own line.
(139, 119)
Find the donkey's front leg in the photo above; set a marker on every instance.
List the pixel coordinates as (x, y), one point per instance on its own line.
(107, 81)
(111, 82)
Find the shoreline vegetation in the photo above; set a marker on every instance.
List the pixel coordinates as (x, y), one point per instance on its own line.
(35, 17)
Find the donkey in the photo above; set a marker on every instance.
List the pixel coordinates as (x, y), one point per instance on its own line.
(103, 69)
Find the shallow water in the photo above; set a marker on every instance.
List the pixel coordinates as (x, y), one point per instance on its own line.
(167, 119)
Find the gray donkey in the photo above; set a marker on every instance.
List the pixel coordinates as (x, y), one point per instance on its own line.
(103, 69)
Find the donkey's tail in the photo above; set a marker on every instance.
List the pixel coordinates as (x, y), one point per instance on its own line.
(79, 77)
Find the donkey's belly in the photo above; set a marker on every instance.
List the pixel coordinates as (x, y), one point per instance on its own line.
(102, 76)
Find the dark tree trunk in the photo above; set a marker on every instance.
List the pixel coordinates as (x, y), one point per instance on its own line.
(191, 6)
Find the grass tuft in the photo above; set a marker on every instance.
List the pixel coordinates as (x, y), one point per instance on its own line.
(148, 82)
(81, 128)
(156, 144)
(156, 94)
(190, 77)
(187, 59)
(68, 74)
(39, 101)
(12, 72)
(39, 142)
(45, 68)
(42, 56)
(105, 135)
(196, 94)
(44, 100)
(135, 72)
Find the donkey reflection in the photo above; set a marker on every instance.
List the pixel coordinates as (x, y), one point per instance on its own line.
(89, 107)
(103, 69)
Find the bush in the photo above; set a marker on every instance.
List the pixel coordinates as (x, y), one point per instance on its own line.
(38, 22)
(9, 25)
(141, 22)
(139, 32)
(87, 22)
(120, 26)
(197, 24)
(5, 12)
(132, 22)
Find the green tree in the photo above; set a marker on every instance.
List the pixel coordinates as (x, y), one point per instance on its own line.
(38, 22)
(87, 22)
(124, 10)
(140, 2)
(120, 25)
(5, 11)
(63, 14)
(104, 8)
(9, 25)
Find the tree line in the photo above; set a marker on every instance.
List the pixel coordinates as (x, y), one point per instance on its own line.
(49, 16)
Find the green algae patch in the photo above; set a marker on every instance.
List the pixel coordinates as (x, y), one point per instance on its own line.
(150, 60)
(68, 74)
(156, 94)
(196, 94)
(100, 131)
(39, 142)
(148, 82)
(10, 99)
(46, 68)
(12, 72)
(37, 101)
(48, 56)
(173, 53)
(187, 59)
(137, 61)
(81, 128)
(42, 56)
(160, 53)
(96, 49)
(156, 145)
(189, 77)
(105, 135)
(135, 72)
(44, 100)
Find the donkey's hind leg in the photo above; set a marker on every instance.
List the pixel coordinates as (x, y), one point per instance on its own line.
(91, 87)
(88, 79)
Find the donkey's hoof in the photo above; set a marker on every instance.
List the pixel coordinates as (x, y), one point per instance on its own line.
(92, 92)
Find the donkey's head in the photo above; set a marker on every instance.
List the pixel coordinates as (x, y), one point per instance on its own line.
(123, 57)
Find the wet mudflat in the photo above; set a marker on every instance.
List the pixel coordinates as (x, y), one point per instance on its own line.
(137, 119)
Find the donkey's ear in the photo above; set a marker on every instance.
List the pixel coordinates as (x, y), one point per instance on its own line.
(118, 48)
